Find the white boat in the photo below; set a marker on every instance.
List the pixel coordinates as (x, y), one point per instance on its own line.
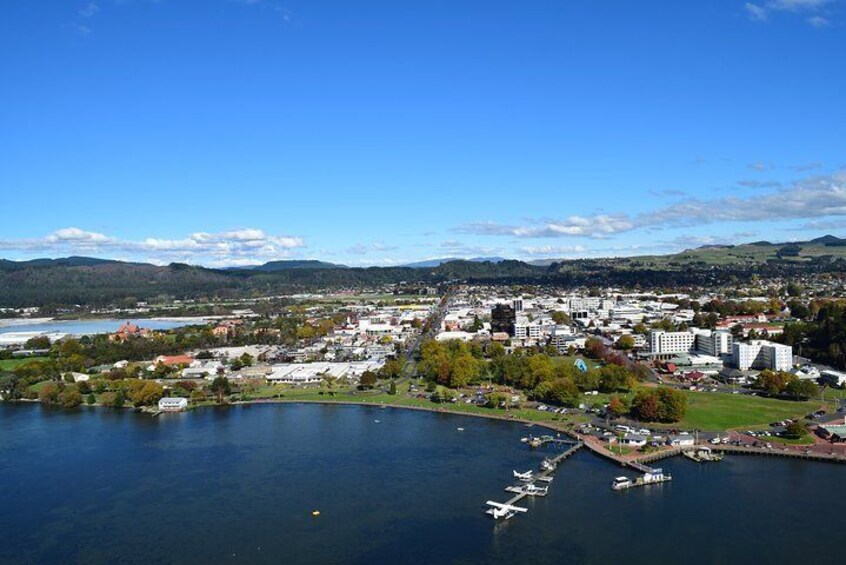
(547, 465)
(460, 429)
(620, 483)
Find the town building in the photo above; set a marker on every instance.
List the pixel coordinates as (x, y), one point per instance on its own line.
(503, 319)
(173, 404)
(760, 354)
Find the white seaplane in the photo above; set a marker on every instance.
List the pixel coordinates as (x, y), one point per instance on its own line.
(527, 476)
(530, 489)
(499, 510)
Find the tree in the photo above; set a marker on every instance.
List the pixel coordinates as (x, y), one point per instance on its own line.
(673, 404)
(614, 378)
(802, 388)
(147, 394)
(392, 389)
(794, 289)
(796, 430)
(220, 387)
(561, 318)
(616, 407)
(329, 382)
(368, 379)
(659, 405)
(49, 393)
(70, 397)
(38, 342)
(625, 343)
(645, 406)
(90, 399)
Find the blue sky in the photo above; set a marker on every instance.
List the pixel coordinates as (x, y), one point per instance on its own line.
(226, 132)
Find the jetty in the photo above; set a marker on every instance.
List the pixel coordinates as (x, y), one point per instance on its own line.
(508, 508)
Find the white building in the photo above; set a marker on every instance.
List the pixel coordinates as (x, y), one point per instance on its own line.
(173, 404)
(714, 343)
(760, 354)
(668, 343)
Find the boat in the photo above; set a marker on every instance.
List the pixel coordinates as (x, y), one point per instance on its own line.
(546, 479)
(460, 429)
(703, 454)
(547, 465)
(620, 483)
(653, 477)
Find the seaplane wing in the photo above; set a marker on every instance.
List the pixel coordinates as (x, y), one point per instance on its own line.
(506, 507)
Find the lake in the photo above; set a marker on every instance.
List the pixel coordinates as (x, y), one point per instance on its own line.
(239, 484)
(89, 327)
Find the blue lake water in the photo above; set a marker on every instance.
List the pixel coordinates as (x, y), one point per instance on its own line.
(239, 484)
(90, 327)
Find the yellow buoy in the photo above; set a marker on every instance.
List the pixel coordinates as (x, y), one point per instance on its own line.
(316, 513)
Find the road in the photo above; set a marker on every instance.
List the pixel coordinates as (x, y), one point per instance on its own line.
(409, 371)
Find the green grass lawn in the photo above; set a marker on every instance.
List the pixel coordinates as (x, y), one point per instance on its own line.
(719, 411)
(806, 440)
(12, 364)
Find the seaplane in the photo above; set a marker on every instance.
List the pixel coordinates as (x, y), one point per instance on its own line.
(527, 476)
(498, 510)
(528, 490)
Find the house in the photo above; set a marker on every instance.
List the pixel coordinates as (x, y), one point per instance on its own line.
(127, 331)
(633, 440)
(681, 440)
(173, 360)
(173, 404)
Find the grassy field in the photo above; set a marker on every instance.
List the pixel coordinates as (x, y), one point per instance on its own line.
(402, 399)
(807, 440)
(719, 411)
(11, 364)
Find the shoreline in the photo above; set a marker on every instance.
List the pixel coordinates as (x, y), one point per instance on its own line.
(593, 445)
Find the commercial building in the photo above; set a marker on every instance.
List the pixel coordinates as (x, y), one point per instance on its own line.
(663, 344)
(760, 354)
(503, 318)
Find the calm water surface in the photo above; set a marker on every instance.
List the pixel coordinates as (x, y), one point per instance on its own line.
(239, 484)
(90, 327)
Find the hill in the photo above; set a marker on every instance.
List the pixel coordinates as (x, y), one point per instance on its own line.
(79, 280)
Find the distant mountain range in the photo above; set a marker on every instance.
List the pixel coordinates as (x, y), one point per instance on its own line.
(438, 262)
(289, 264)
(87, 280)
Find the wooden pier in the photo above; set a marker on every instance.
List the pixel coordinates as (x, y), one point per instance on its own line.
(776, 452)
(546, 475)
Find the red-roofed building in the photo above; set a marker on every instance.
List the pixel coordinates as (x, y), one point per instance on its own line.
(173, 360)
(127, 331)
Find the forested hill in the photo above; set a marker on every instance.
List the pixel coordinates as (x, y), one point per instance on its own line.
(88, 281)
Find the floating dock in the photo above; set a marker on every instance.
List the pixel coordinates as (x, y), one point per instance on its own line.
(545, 475)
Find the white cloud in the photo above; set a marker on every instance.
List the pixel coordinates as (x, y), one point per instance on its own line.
(549, 250)
(598, 226)
(756, 12)
(241, 246)
(818, 21)
(813, 197)
(816, 8)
